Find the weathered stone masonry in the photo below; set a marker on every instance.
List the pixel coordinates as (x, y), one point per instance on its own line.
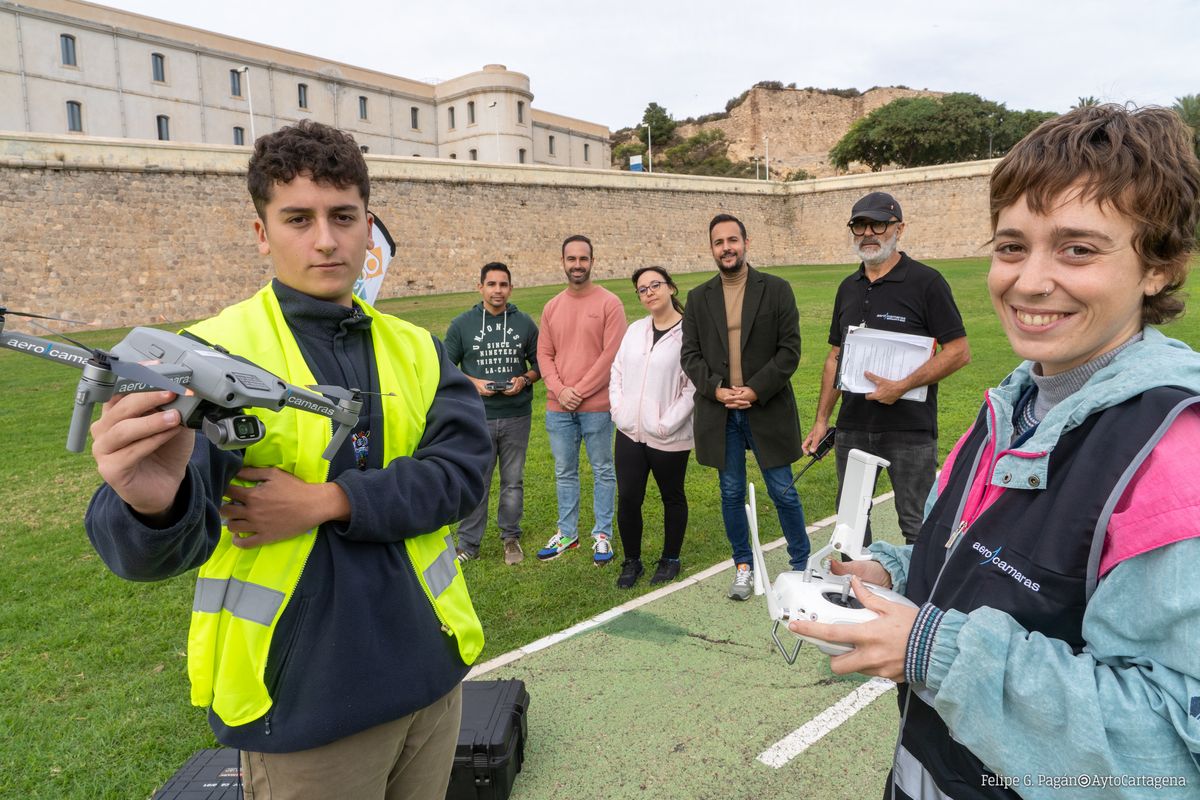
(120, 233)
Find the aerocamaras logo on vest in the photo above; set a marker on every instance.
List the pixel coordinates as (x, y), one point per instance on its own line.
(993, 557)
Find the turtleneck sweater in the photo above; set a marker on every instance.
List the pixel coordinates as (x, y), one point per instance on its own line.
(734, 287)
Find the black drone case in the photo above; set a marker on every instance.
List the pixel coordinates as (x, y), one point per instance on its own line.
(491, 742)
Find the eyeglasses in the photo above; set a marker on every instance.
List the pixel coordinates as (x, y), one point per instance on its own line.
(859, 226)
(652, 286)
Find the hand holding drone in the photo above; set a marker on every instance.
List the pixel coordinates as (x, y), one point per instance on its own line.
(816, 593)
(212, 387)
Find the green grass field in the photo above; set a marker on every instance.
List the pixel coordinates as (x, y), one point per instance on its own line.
(93, 690)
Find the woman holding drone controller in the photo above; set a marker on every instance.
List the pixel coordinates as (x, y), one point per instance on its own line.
(1056, 650)
(651, 405)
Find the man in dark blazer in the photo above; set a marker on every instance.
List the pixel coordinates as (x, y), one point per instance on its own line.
(741, 344)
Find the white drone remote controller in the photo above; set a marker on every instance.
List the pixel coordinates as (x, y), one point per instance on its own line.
(815, 593)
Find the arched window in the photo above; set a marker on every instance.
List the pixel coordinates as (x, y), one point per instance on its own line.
(450, 117)
(521, 156)
(302, 95)
(470, 112)
(239, 135)
(474, 154)
(158, 67)
(164, 127)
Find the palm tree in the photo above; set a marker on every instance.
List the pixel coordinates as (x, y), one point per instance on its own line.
(1084, 102)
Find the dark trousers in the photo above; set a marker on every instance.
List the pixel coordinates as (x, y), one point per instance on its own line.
(635, 461)
(913, 457)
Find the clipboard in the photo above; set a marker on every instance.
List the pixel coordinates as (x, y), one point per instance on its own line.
(889, 354)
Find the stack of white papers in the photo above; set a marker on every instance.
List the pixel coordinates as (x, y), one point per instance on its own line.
(887, 354)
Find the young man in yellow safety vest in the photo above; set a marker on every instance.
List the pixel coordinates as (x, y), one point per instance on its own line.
(331, 626)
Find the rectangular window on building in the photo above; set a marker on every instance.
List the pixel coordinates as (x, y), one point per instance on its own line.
(302, 95)
(474, 155)
(521, 112)
(551, 145)
(470, 112)
(164, 128)
(521, 156)
(414, 114)
(587, 154)
(74, 116)
(239, 135)
(67, 43)
(235, 82)
(362, 107)
(158, 67)
(450, 117)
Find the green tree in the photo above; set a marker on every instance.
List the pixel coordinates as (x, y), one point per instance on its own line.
(1188, 107)
(916, 131)
(705, 153)
(662, 126)
(1084, 102)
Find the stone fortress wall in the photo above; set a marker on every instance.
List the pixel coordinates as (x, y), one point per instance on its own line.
(118, 232)
(802, 125)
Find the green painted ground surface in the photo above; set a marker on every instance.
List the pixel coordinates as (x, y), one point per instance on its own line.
(678, 697)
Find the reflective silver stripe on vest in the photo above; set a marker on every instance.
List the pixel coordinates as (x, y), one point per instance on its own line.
(440, 574)
(913, 779)
(247, 601)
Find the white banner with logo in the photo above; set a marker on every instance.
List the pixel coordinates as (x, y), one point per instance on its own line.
(376, 265)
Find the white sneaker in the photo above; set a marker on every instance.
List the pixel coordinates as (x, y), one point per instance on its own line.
(602, 551)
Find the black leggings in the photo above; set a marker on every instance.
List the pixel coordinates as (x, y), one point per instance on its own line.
(634, 462)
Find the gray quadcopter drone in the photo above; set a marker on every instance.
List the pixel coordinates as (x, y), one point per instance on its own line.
(213, 387)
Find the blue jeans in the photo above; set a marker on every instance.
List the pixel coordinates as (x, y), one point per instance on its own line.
(510, 439)
(779, 486)
(566, 430)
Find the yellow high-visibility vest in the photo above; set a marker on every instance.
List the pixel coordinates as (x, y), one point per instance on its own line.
(241, 594)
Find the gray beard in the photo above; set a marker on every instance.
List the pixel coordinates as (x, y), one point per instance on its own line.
(886, 250)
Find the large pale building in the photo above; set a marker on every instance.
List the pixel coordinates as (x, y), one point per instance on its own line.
(73, 67)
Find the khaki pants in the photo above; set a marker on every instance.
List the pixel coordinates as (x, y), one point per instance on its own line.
(408, 758)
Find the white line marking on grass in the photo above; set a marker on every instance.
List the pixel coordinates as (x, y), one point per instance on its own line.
(554, 638)
(815, 729)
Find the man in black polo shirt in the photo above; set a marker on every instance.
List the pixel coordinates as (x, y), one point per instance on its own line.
(891, 292)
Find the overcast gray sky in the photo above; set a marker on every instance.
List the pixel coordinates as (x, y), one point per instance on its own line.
(606, 62)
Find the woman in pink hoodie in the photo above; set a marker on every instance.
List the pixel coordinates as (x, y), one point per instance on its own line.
(651, 406)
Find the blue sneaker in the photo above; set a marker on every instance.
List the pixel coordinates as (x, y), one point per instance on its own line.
(602, 551)
(557, 545)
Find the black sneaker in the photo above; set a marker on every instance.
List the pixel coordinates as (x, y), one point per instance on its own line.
(631, 570)
(668, 570)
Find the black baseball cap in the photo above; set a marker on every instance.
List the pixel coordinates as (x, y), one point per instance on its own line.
(878, 206)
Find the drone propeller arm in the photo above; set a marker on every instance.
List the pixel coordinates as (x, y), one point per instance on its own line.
(346, 418)
(45, 348)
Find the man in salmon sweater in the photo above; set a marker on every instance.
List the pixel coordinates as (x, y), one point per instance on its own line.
(581, 329)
